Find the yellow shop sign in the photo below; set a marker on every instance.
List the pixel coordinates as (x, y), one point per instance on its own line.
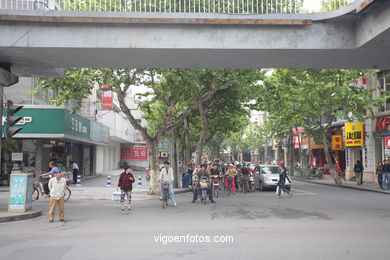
(354, 134)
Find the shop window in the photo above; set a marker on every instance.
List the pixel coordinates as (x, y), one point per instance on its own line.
(384, 85)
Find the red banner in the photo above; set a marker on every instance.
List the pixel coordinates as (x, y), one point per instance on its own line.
(297, 141)
(134, 153)
(107, 98)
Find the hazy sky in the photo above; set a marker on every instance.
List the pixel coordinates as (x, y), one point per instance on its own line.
(312, 4)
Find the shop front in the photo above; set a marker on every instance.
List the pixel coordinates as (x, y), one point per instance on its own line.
(49, 135)
(382, 137)
(354, 143)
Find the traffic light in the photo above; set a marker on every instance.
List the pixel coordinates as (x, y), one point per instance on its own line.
(12, 120)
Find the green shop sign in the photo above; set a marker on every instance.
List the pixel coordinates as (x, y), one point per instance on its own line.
(46, 123)
(76, 126)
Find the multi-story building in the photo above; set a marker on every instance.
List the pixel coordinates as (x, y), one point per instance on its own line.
(92, 138)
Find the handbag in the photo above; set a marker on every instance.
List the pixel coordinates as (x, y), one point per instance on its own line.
(116, 195)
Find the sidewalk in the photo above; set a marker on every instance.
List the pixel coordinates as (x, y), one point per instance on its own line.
(328, 180)
(91, 189)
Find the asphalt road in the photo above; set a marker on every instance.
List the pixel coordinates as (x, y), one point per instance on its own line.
(319, 222)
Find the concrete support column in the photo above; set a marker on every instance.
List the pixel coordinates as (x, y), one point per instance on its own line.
(6, 76)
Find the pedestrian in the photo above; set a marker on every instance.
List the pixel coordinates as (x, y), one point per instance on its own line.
(282, 182)
(358, 169)
(75, 170)
(245, 174)
(231, 172)
(125, 183)
(190, 171)
(166, 177)
(57, 186)
(378, 173)
(385, 175)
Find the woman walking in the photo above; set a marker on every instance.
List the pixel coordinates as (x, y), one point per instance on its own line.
(126, 180)
(378, 173)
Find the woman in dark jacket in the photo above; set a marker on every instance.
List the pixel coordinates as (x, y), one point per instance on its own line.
(282, 181)
(126, 180)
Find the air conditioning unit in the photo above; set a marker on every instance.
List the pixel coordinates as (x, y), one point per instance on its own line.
(164, 154)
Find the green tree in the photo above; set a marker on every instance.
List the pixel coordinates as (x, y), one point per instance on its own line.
(314, 99)
(168, 96)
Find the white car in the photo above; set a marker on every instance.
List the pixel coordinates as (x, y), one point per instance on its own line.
(267, 176)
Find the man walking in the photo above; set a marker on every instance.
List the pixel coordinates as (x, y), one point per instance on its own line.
(358, 169)
(385, 175)
(75, 169)
(282, 181)
(57, 188)
(245, 174)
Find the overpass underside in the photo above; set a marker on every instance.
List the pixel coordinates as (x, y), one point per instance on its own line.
(43, 44)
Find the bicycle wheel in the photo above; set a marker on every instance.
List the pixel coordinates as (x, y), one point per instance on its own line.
(229, 190)
(204, 194)
(67, 194)
(35, 194)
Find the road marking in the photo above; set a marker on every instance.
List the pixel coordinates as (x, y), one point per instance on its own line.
(306, 192)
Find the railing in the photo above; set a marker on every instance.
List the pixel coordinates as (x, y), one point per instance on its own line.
(181, 6)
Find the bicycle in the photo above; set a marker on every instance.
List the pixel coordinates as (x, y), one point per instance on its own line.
(204, 186)
(229, 180)
(39, 191)
(165, 191)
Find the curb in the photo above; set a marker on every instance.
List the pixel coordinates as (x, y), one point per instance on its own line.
(342, 186)
(23, 216)
(183, 191)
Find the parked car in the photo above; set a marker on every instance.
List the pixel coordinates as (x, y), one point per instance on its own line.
(267, 177)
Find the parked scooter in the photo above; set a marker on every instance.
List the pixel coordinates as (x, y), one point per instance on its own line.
(147, 178)
(316, 172)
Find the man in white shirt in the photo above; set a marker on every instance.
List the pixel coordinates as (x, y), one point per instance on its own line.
(75, 169)
(166, 176)
(57, 186)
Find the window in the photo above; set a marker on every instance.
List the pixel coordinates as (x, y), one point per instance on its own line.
(384, 85)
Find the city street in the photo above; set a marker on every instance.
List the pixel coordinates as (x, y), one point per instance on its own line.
(318, 222)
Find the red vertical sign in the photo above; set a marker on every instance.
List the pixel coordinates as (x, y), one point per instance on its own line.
(107, 98)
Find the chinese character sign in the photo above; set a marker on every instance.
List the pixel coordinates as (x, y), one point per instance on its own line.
(354, 134)
(134, 153)
(337, 142)
(107, 98)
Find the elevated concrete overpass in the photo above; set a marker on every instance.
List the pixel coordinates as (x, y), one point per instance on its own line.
(43, 43)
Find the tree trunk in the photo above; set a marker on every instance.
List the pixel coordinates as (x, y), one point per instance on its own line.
(332, 167)
(154, 167)
(175, 164)
(201, 143)
(187, 146)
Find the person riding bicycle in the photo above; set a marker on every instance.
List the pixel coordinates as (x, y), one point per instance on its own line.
(45, 178)
(166, 177)
(203, 173)
(231, 172)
